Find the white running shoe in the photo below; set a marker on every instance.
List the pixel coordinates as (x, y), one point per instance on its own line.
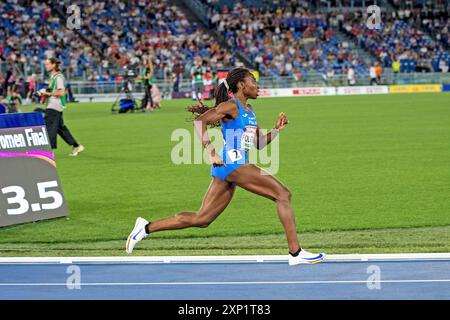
(305, 257)
(136, 235)
(76, 150)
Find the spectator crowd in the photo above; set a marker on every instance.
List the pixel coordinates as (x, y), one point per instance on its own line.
(279, 38)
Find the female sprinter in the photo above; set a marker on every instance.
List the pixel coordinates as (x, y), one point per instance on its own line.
(231, 168)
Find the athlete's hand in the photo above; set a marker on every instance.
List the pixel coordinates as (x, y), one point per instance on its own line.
(216, 160)
(281, 121)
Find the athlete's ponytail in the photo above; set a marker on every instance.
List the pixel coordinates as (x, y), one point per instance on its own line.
(199, 109)
(222, 93)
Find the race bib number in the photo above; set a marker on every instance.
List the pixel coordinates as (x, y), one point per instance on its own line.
(234, 155)
(247, 138)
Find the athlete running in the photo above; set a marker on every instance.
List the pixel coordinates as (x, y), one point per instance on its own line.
(231, 167)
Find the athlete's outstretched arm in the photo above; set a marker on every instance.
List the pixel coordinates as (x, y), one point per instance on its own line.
(263, 140)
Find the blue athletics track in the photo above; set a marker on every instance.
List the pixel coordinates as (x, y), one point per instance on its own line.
(368, 277)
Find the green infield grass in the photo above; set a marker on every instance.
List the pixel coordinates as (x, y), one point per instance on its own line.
(368, 174)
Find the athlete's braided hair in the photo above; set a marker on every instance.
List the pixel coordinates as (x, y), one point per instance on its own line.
(222, 93)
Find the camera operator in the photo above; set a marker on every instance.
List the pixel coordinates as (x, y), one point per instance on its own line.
(128, 79)
(13, 102)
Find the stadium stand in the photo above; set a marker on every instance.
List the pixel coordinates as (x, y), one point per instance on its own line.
(279, 38)
(284, 40)
(119, 34)
(398, 39)
(30, 32)
(142, 29)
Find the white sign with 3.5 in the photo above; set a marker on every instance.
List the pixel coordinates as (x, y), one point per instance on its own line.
(16, 197)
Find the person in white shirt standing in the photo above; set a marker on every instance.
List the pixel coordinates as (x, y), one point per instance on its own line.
(351, 76)
(55, 96)
(373, 75)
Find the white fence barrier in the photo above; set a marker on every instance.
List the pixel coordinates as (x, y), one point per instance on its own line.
(363, 90)
(289, 92)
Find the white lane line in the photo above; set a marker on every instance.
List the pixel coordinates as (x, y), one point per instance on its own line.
(225, 283)
(445, 256)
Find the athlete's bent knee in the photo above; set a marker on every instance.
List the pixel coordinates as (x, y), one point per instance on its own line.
(284, 195)
(202, 223)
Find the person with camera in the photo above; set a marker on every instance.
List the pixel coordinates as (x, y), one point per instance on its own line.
(13, 102)
(55, 97)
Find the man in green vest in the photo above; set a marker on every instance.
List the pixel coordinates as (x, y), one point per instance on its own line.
(148, 80)
(56, 103)
(395, 68)
(197, 73)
